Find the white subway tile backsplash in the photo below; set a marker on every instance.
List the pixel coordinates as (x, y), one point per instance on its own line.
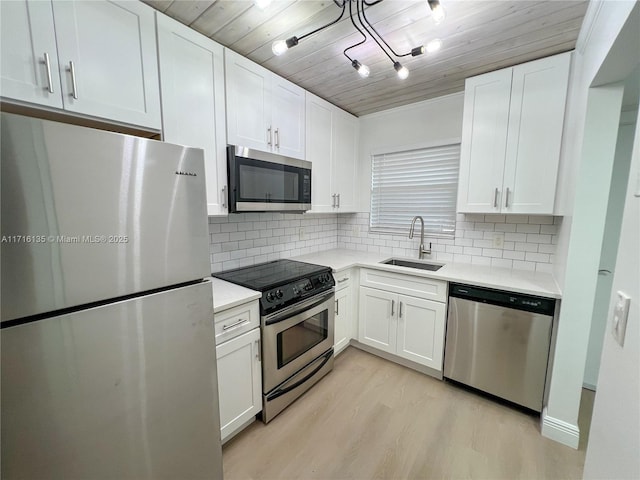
(250, 238)
(527, 228)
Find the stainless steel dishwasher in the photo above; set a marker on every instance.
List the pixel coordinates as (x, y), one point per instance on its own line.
(498, 342)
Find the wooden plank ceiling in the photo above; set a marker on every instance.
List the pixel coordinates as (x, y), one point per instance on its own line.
(478, 36)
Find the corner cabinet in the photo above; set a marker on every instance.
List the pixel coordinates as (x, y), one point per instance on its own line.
(332, 148)
(511, 138)
(409, 326)
(264, 111)
(90, 58)
(193, 102)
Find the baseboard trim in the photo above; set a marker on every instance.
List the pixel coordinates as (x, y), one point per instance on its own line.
(559, 430)
(396, 359)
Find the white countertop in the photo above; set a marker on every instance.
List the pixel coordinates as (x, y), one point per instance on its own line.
(227, 295)
(521, 281)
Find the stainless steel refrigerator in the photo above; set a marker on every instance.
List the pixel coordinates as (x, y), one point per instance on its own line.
(108, 353)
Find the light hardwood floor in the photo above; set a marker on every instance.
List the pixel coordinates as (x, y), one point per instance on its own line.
(371, 418)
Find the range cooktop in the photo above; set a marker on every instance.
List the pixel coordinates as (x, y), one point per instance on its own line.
(282, 282)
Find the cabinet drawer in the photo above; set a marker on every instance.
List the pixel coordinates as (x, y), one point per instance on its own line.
(342, 278)
(235, 321)
(421, 287)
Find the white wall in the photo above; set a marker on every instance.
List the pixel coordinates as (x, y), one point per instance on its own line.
(411, 125)
(614, 440)
(590, 165)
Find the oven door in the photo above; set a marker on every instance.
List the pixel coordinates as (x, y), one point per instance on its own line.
(294, 337)
(262, 181)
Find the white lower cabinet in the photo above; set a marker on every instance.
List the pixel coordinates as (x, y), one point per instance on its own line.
(409, 327)
(344, 309)
(239, 381)
(239, 367)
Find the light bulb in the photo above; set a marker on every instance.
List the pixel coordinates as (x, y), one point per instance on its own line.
(434, 45)
(363, 70)
(437, 12)
(262, 4)
(279, 47)
(403, 72)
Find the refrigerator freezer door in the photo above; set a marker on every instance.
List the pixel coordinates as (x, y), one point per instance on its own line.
(89, 215)
(125, 390)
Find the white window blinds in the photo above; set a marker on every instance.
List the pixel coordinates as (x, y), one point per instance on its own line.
(415, 182)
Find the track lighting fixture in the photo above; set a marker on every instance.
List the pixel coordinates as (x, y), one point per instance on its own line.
(437, 12)
(366, 29)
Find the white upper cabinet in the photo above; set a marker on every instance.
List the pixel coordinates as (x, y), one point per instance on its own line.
(264, 111)
(28, 53)
(101, 56)
(332, 148)
(345, 161)
(287, 103)
(511, 138)
(192, 97)
(108, 62)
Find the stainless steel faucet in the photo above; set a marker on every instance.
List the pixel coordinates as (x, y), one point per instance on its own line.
(421, 250)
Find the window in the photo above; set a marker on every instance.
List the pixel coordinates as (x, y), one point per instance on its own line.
(415, 182)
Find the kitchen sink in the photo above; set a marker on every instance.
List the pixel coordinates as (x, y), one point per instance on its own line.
(408, 263)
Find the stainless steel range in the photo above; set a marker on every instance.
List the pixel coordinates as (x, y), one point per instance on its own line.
(296, 322)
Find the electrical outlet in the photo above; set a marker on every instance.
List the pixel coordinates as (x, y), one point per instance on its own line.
(620, 315)
(301, 234)
(498, 240)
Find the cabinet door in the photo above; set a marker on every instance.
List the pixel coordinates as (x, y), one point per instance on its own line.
(193, 111)
(112, 47)
(342, 320)
(239, 381)
(536, 118)
(484, 138)
(345, 161)
(28, 35)
(287, 118)
(421, 331)
(319, 146)
(377, 324)
(248, 103)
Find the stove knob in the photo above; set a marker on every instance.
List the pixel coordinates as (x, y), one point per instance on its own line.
(308, 287)
(321, 279)
(279, 293)
(270, 297)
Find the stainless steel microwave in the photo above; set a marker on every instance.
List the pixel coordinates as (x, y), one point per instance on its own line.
(266, 182)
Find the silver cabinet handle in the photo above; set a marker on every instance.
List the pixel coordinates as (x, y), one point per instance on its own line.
(277, 135)
(224, 197)
(343, 280)
(47, 66)
(604, 272)
(258, 349)
(495, 198)
(393, 307)
(74, 86)
(506, 201)
(333, 205)
(269, 139)
(400, 310)
(235, 324)
(338, 306)
(338, 200)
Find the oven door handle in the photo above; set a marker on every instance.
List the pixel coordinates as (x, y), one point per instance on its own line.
(294, 310)
(281, 391)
